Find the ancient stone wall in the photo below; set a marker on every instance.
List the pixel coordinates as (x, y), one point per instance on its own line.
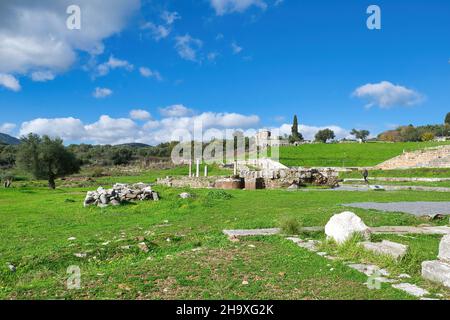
(190, 182)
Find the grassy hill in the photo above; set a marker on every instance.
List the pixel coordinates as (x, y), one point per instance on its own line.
(348, 154)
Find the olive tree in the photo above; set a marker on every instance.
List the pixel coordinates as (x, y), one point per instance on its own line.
(325, 135)
(360, 134)
(46, 158)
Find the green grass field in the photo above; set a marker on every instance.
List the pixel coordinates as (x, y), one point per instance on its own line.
(189, 256)
(347, 154)
(406, 173)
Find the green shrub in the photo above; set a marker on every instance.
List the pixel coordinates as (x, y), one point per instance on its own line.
(97, 172)
(219, 195)
(291, 226)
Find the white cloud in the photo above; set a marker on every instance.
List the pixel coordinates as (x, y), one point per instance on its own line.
(162, 31)
(42, 76)
(105, 131)
(67, 128)
(102, 93)
(223, 7)
(387, 95)
(7, 127)
(278, 3)
(148, 73)
(34, 37)
(9, 82)
(187, 47)
(109, 130)
(170, 17)
(158, 31)
(309, 132)
(140, 114)
(113, 63)
(212, 56)
(176, 110)
(236, 49)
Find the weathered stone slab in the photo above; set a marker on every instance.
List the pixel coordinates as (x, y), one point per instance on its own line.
(410, 230)
(252, 232)
(436, 271)
(393, 249)
(411, 289)
(419, 208)
(311, 245)
(444, 249)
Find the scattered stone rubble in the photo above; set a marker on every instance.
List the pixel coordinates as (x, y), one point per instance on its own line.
(185, 195)
(342, 227)
(119, 194)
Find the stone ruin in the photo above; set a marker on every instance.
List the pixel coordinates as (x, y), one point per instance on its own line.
(252, 180)
(119, 194)
(284, 178)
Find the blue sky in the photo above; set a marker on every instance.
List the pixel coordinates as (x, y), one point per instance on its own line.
(235, 63)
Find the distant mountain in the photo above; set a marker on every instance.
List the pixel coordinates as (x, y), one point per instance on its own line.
(134, 145)
(7, 139)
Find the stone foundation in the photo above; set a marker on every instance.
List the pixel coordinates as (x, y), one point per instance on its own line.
(254, 184)
(230, 183)
(252, 180)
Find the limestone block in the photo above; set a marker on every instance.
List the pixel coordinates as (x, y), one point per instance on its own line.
(343, 226)
(444, 249)
(436, 271)
(393, 249)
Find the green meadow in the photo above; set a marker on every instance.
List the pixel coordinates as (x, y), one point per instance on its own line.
(189, 257)
(347, 154)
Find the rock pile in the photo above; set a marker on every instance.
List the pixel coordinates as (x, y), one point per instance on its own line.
(120, 193)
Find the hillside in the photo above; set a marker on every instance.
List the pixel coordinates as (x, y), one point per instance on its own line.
(7, 139)
(349, 154)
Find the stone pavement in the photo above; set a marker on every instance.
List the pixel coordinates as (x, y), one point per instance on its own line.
(415, 208)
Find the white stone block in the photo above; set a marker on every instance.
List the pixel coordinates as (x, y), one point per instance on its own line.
(436, 271)
(343, 226)
(393, 249)
(444, 249)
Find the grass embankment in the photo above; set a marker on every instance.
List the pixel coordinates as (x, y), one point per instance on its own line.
(407, 173)
(118, 174)
(348, 154)
(189, 257)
